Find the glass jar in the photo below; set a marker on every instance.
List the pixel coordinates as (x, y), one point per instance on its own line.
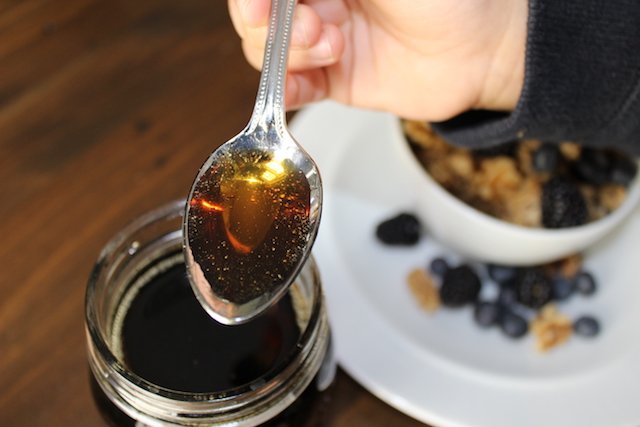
(139, 378)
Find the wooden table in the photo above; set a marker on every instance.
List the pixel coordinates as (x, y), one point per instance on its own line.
(107, 109)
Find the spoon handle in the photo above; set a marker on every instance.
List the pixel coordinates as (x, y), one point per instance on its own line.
(269, 107)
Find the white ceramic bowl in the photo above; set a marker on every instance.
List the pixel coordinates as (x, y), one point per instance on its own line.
(479, 236)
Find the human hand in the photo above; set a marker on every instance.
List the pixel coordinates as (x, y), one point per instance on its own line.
(425, 60)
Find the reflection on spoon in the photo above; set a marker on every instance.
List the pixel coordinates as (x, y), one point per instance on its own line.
(252, 202)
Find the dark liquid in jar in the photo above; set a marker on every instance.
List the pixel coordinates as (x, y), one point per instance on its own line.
(248, 226)
(168, 339)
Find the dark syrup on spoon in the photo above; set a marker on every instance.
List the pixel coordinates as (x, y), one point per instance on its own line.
(248, 224)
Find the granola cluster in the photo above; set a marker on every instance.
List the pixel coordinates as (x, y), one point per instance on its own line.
(551, 328)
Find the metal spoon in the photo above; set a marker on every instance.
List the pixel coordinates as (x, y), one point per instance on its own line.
(254, 208)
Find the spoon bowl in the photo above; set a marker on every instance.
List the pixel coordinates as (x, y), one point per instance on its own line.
(254, 208)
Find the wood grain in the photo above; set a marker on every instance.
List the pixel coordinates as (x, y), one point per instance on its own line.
(107, 109)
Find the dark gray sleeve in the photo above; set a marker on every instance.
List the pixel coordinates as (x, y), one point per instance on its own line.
(582, 80)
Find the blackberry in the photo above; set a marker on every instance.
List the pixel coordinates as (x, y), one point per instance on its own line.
(460, 286)
(586, 326)
(533, 287)
(562, 204)
(403, 229)
(545, 158)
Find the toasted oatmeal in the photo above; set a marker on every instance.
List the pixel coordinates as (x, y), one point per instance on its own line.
(550, 328)
(423, 289)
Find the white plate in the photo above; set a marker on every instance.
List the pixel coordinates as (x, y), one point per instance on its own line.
(442, 369)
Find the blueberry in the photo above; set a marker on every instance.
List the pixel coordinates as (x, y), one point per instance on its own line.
(533, 287)
(486, 313)
(460, 286)
(562, 288)
(593, 166)
(545, 158)
(403, 229)
(513, 325)
(507, 295)
(597, 157)
(563, 205)
(584, 283)
(501, 273)
(439, 266)
(586, 326)
(623, 170)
